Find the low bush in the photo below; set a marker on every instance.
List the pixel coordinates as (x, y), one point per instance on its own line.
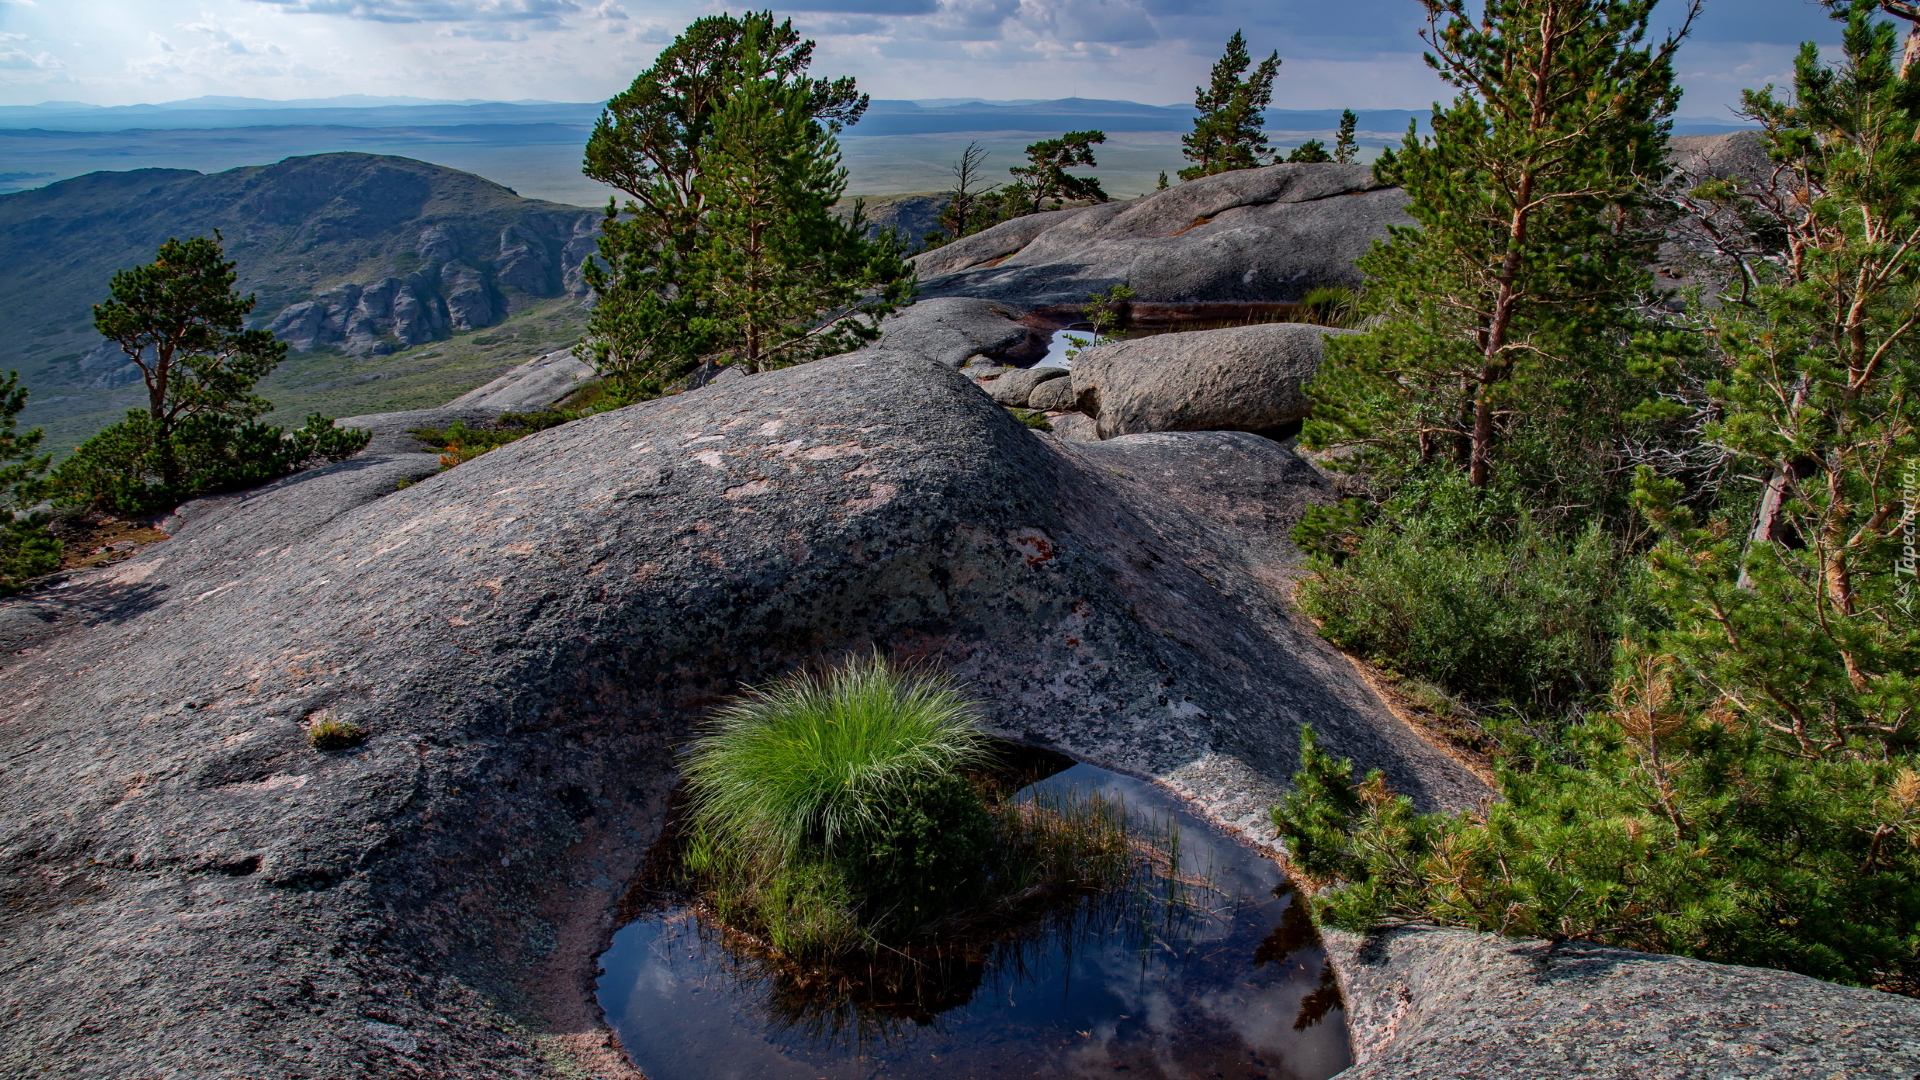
(459, 443)
(122, 468)
(1489, 613)
(1726, 850)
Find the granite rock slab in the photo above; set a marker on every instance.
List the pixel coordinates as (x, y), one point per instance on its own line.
(191, 890)
(1266, 235)
(1435, 1004)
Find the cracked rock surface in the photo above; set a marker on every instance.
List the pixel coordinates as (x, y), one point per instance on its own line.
(191, 891)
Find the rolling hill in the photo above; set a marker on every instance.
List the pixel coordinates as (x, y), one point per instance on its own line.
(400, 283)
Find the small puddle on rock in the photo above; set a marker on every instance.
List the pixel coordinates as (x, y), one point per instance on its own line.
(1231, 983)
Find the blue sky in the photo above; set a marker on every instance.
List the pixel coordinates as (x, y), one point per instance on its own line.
(1360, 53)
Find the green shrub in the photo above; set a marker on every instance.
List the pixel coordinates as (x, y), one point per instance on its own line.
(1644, 830)
(1032, 418)
(1495, 614)
(120, 469)
(26, 551)
(459, 443)
(1332, 305)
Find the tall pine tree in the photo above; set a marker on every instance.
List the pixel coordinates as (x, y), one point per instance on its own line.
(657, 313)
(772, 256)
(1345, 147)
(1532, 239)
(1227, 134)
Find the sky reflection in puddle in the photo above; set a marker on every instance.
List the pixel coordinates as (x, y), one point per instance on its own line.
(1237, 989)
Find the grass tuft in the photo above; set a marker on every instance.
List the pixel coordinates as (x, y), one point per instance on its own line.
(860, 811)
(327, 732)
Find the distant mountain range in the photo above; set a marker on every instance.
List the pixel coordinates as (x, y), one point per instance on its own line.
(400, 283)
(534, 146)
(885, 117)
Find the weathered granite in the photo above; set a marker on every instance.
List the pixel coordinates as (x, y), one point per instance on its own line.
(955, 329)
(1736, 155)
(1255, 235)
(1240, 378)
(1432, 1004)
(1016, 387)
(537, 384)
(192, 891)
(1052, 395)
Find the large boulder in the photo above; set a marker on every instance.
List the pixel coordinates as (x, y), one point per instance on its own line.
(1735, 155)
(1240, 378)
(1015, 386)
(955, 329)
(1429, 1004)
(192, 890)
(1053, 394)
(1263, 235)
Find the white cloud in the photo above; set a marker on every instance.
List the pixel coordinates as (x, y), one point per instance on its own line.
(548, 12)
(1361, 53)
(21, 60)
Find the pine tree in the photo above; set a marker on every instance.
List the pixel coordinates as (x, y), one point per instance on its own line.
(653, 318)
(969, 207)
(1227, 134)
(647, 143)
(1806, 615)
(1750, 793)
(1045, 175)
(1345, 147)
(772, 256)
(180, 321)
(1312, 152)
(26, 551)
(1532, 239)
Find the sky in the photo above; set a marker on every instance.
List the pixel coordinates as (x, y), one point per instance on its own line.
(1336, 53)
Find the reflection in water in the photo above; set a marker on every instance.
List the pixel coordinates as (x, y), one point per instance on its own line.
(1221, 982)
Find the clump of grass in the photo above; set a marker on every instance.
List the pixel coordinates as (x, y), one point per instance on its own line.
(1032, 418)
(858, 814)
(828, 808)
(328, 732)
(1331, 305)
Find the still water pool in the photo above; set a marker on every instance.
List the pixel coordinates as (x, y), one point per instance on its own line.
(1231, 985)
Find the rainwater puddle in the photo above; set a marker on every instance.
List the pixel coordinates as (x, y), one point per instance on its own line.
(1230, 983)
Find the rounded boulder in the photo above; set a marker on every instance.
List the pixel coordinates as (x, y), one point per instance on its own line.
(1241, 378)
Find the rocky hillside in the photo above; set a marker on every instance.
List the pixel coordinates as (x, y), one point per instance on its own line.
(356, 259)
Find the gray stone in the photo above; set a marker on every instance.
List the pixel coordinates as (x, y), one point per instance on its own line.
(1252, 235)
(536, 384)
(954, 330)
(1075, 427)
(1015, 386)
(1736, 155)
(526, 638)
(1241, 378)
(1429, 1004)
(1052, 395)
(469, 300)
